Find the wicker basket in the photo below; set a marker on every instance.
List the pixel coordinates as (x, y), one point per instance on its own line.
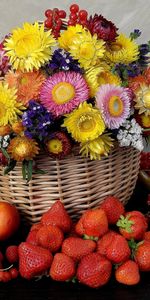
(79, 182)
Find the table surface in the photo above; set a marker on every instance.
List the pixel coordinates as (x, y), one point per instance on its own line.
(45, 289)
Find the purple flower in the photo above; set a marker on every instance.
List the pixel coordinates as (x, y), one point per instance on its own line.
(37, 121)
(144, 60)
(62, 60)
(124, 71)
(135, 34)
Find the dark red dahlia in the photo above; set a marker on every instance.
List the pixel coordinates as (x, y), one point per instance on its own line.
(104, 29)
(3, 160)
(58, 145)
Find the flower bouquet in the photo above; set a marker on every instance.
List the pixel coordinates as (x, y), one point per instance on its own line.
(71, 83)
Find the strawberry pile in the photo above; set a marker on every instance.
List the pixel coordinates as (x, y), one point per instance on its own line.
(104, 241)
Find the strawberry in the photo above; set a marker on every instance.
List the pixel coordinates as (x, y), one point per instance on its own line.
(50, 237)
(33, 260)
(104, 242)
(94, 270)
(142, 255)
(132, 226)
(36, 226)
(138, 214)
(76, 247)
(146, 236)
(118, 250)
(12, 254)
(93, 223)
(57, 215)
(113, 209)
(62, 268)
(128, 273)
(31, 237)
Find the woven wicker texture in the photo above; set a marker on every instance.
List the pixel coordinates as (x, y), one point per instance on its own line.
(79, 182)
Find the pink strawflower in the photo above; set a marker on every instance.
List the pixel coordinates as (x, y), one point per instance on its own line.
(114, 104)
(64, 91)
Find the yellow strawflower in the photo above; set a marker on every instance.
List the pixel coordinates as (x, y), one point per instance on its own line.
(29, 47)
(87, 49)
(67, 36)
(9, 107)
(98, 147)
(123, 50)
(85, 123)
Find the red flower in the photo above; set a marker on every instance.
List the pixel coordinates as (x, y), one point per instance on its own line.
(3, 160)
(104, 29)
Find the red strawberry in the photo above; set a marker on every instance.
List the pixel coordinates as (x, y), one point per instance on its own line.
(113, 209)
(50, 237)
(104, 242)
(36, 226)
(142, 256)
(128, 273)
(132, 226)
(93, 223)
(136, 213)
(12, 254)
(118, 250)
(94, 270)
(31, 238)
(62, 268)
(76, 247)
(147, 236)
(57, 215)
(33, 260)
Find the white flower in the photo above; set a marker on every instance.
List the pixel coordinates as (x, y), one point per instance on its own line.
(130, 135)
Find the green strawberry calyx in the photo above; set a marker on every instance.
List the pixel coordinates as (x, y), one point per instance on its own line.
(87, 237)
(134, 246)
(73, 279)
(125, 223)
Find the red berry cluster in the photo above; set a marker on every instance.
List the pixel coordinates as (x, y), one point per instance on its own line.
(11, 255)
(77, 16)
(54, 20)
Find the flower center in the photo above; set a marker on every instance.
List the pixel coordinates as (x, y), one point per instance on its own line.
(63, 92)
(145, 121)
(116, 47)
(55, 146)
(115, 106)
(22, 150)
(87, 50)
(146, 100)
(26, 44)
(86, 123)
(23, 80)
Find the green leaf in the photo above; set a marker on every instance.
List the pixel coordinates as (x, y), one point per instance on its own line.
(10, 166)
(39, 171)
(24, 173)
(29, 170)
(27, 167)
(5, 153)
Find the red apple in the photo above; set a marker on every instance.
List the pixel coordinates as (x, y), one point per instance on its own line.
(9, 220)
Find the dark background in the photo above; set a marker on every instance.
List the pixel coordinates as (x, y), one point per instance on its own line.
(45, 289)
